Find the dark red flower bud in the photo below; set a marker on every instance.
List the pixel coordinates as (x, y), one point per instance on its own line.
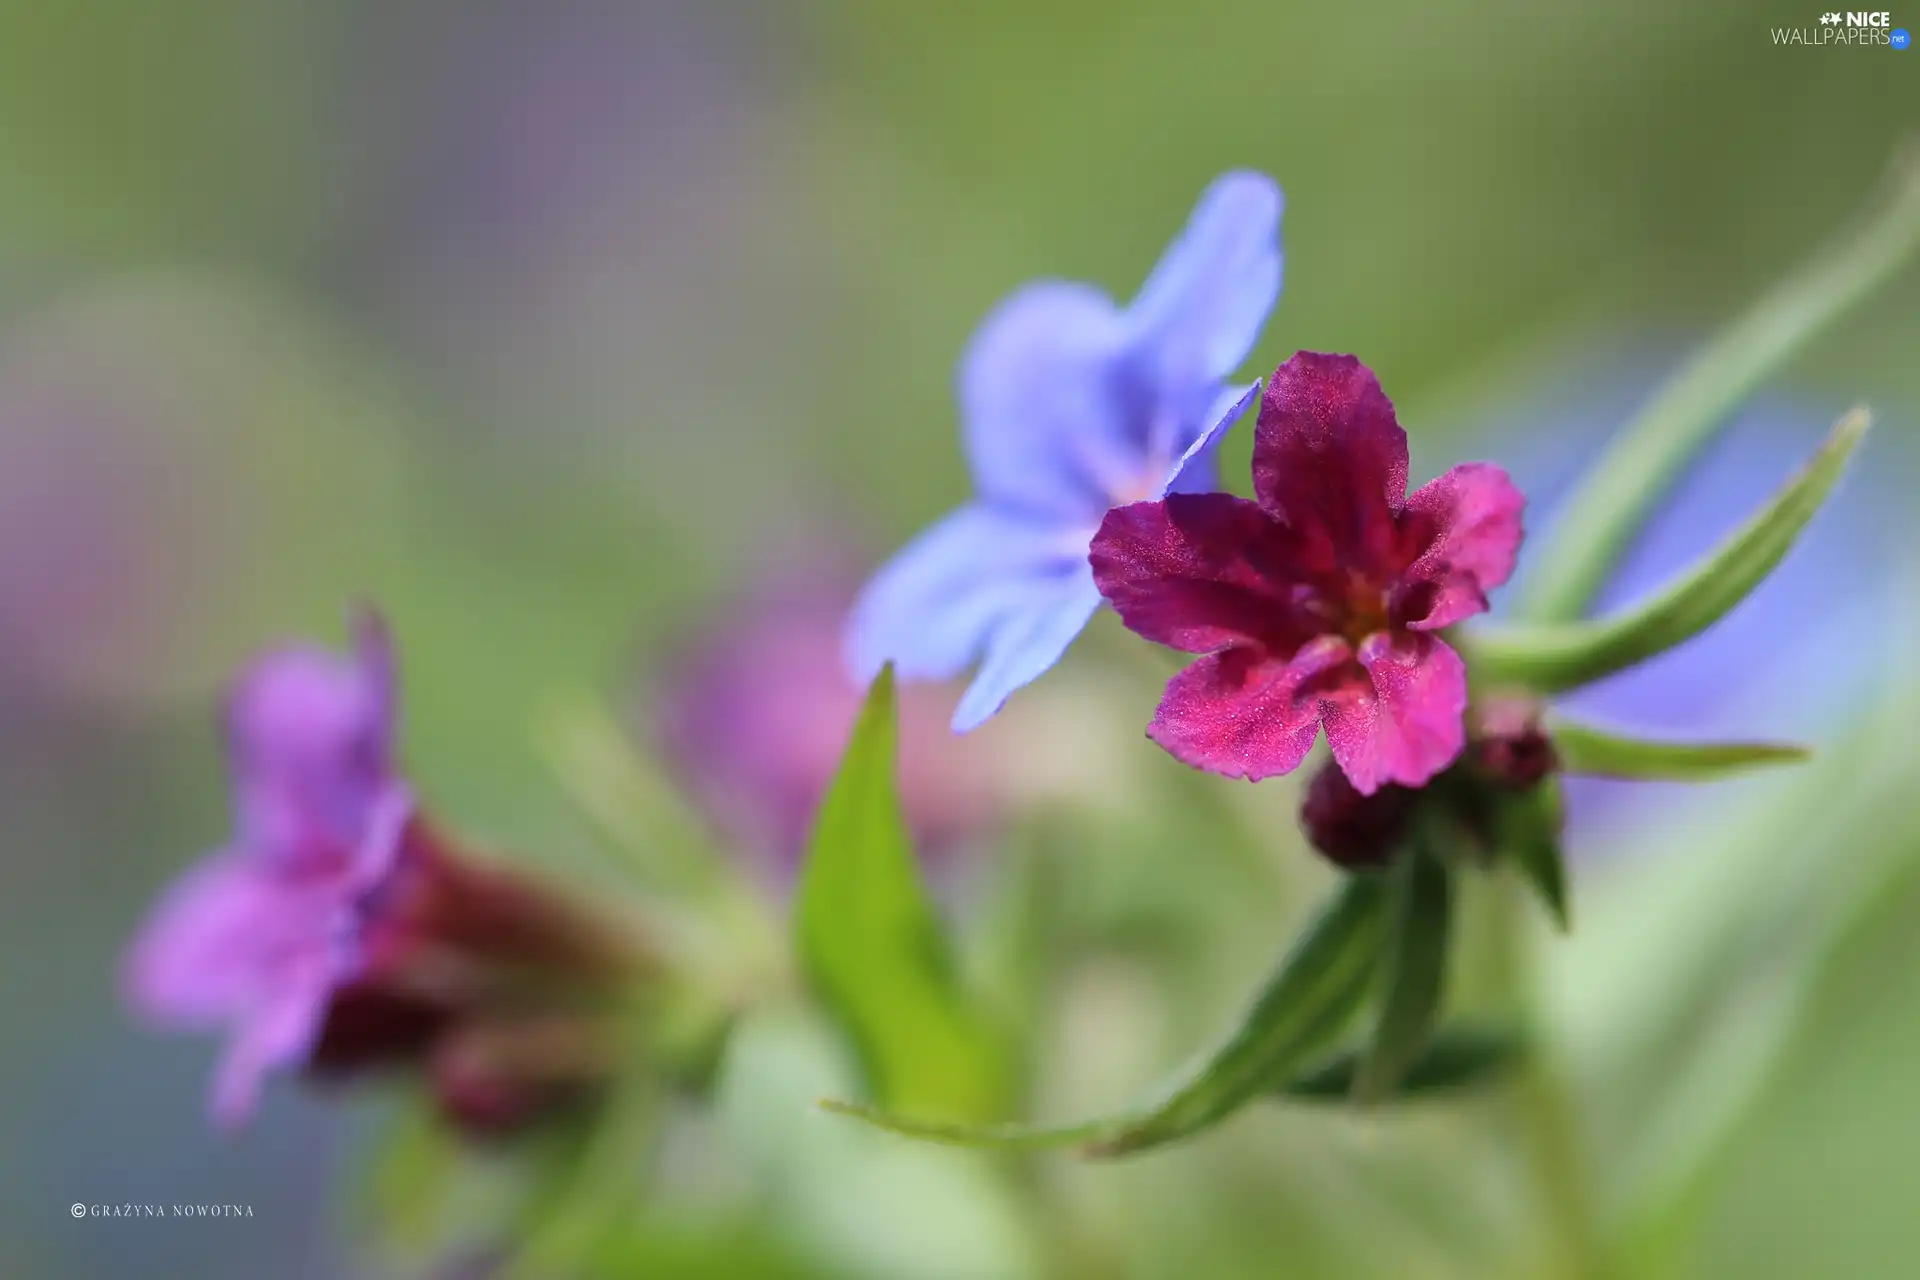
(1509, 747)
(496, 1077)
(498, 984)
(1354, 831)
(449, 906)
(370, 1026)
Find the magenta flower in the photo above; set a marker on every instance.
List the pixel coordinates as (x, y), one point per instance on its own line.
(1319, 602)
(259, 936)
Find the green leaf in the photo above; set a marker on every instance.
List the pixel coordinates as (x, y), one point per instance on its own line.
(411, 1182)
(1415, 971)
(429, 1192)
(1584, 749)
(1696, 979)
(1609, 508)
(1456, 1057)
(1527, 832)
(873, 949)
(598, 1185)
(1308, 1001)
(1549, 658)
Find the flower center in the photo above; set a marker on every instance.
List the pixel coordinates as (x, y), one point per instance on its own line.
(1139, 488)
(1365, 609)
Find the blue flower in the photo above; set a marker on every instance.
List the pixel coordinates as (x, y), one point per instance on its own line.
(1070, 406)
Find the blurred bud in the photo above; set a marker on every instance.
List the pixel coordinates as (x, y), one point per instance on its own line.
(1508, 747)
(1354, 831)
(446, 911)
(494, 1077)
(367, 1025)
(501, 986)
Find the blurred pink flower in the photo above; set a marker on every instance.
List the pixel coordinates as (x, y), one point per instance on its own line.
(256, 938)
(340, 930)
(754, 713)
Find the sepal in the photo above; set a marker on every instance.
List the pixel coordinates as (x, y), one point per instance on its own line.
(1604, 754)
(1554, 657)
(1526, 829)
(1457, 1058)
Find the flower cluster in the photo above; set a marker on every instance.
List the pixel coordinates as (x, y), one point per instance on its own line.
(1331, 600)
(339, 929)
(1322, 602)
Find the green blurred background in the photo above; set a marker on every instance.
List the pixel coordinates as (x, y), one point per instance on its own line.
(542, 324)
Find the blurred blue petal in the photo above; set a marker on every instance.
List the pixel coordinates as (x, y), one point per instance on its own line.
(932, 609)
(1070, 408)
(1028, 640)
(1205, 303)
(1045, 417)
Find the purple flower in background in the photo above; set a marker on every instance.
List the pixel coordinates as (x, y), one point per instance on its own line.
(1072, 405)
(257, 938)
(754, 713)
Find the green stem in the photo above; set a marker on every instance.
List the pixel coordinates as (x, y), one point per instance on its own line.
(1546, 1109)
(1608, 509)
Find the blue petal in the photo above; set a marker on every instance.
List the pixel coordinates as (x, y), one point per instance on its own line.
(1203, 307)
(1027, 641)
(932, 609)
(1045, 415)
(1196, 470)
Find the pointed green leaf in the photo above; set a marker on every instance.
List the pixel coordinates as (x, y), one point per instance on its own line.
(1611, 505)
(1456, 1057)
(1527, 832)
(1415, 963)
(873, 949)
(1549, 658)
(1584, 749)
(1306, 1003)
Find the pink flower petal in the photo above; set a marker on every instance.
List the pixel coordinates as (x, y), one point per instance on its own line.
(1330, 458)
(1468, 522)
(1244, 716)
(192, 964)
(1202, 572)
(1410, 724)
(240, 943)
(279, 1032)
(310, 738)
